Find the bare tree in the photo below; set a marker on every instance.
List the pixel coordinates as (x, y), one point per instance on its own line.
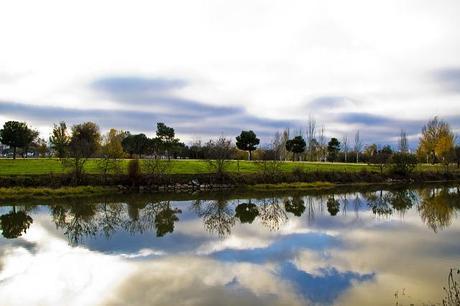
(310, 135)
(345, 147)
(219, 153)
(322, 144)
(358, 145)
(403, 143)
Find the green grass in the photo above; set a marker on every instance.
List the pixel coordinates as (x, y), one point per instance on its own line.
(33, 166)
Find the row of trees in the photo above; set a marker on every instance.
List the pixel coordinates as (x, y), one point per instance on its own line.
(437, 144)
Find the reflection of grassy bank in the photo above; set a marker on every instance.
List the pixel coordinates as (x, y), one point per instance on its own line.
(39, 192)
(291, 186)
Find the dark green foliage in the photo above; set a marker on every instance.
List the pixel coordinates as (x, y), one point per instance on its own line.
(381, 157)
(247, 141)
(136, 144)
(333, 148)
(457, 156)
(17, 135)
(296, 145)
(246, 212)
(295, 206)
(14, 224)
(165, 139)
(333, 206)
(403, 163)
(164, 220)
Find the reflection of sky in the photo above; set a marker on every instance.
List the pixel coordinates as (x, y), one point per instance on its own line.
(352, 258)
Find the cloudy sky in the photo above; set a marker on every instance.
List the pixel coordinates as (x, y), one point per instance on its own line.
(213, 67)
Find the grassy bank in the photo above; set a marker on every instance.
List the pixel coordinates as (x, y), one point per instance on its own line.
(77, 191)
(37, 166)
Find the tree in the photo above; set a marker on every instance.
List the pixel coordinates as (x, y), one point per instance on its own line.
(218, 153)
(17, 135)
(345, 147)
(358, 145)
(165, 137)
(296, 146)
(381, 157)
(457, 156)
(403, 163)
(60, 139)
(403, 142)
(135, 144)
(247, 141)
(84, 143)
(111, 152)
(445, 150)
(434, 132)
(333, 148)
(42, 147)
(310, 136)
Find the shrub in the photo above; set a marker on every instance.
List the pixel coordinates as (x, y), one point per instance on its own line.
(403, 163)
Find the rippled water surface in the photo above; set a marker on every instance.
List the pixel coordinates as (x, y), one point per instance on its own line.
(339, 247)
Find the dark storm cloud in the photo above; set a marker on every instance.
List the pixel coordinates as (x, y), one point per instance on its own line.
(449, 78)
(156, 93)
(191, 123)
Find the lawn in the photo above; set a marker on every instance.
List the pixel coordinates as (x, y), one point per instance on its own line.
(32, 166)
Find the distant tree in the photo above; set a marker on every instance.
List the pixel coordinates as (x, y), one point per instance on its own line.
(17, 135)
(166, 138)
(247, 141)
(60, 139)
(434, 132)
(445, 149)
(310, 136)
(403, 142)
(381, 157)
(457, 156)
(219, 153)
(296, 146)
(358, 146)
(111, 152)
(333, 148)
(370, 150)
(42, 147)
(165, 218)
(135, 144)
(84, 143)
(295, 206)
(345, 147)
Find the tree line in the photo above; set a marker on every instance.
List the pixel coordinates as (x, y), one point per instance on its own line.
(437, 144)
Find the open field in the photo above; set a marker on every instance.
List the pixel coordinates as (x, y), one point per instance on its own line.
(33, 166)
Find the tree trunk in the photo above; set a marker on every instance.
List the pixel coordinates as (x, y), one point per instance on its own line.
(14, 152)
(249, 155)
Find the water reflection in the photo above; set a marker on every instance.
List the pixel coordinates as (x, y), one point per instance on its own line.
(337, 247)
(437, 208)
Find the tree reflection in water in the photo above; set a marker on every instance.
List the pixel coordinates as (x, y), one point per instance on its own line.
(246, 212)
(15, 223)
(217, 216)
(272, 214)
(436, 207)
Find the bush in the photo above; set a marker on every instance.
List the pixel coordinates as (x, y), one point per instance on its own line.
(403, 163)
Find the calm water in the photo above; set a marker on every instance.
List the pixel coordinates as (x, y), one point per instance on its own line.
(367, 247)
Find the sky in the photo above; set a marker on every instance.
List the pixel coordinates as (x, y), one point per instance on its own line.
(217, 67)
